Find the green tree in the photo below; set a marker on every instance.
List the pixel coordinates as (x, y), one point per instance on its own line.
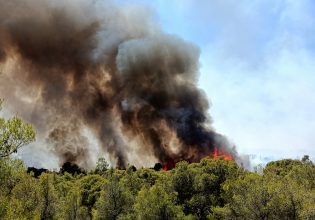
(157, 203)
(112, 201)
(131, 181)
(300, 189)
(11, 172)
(200, 185)
(221, 171)
(202, 199)
(304, 175)
(72, 208)
(281, 168)
(25, 199)
(101, 166)
(182, 181)
(90, 188)
(148, 176)
(4, 205)
(14, 133)
(249, 197)
(49, 197)
(253, 196)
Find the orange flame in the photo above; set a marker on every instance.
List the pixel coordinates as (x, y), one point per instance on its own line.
(220, 154)
(217, 153)
(170, 164)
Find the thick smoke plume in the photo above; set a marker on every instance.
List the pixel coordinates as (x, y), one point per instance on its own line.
(78, 66)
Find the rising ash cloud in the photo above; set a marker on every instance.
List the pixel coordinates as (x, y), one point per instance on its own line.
(93, 65)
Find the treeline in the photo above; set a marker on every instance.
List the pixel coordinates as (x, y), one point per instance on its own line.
(211, 189)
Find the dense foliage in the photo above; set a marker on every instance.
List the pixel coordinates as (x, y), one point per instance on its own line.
(14, 133)
(211, 189)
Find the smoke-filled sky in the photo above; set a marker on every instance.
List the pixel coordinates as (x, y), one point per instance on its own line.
(95, 78)
(95, 71)
(258, 68)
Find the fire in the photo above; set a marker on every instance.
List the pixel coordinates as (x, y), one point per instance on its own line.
(170, 164)
(218, 153)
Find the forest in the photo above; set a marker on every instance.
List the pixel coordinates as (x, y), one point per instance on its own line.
(112, 85)
(210, 189)
(214, 188)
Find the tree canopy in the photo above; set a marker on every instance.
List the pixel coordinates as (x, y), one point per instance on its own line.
(210, 189)
(14, 133)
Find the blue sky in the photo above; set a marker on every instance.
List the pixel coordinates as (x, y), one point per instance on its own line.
(257, 68)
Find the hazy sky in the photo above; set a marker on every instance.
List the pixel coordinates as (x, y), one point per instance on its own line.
(257, 68)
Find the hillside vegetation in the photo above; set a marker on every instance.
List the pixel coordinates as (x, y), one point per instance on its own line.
(211, 189)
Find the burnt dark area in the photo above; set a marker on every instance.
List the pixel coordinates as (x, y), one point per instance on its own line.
(71, 168)
(36, 171)
(158, 166)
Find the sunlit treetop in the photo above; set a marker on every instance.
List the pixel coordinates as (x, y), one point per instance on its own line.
(14, 133)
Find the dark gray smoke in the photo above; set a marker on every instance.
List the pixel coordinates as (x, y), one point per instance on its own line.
(75, 65)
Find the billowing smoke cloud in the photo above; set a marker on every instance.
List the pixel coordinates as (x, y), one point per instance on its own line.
(75, 65)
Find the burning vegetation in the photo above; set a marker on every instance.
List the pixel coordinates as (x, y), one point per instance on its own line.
(80, 67)
(217, 153)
